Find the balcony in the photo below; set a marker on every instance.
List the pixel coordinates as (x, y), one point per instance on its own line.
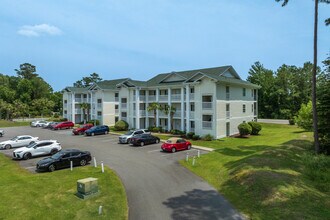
(141, 97)
(192, 129)
(177, 114)
(142, 112)
(227, 114)
(123, 105)
(176, 97)
(191, 115)
(161, 114)
(163, 98)
(116, 111)
(116, 99)
(192, 96)
(227, 96)
(151, 98)
(207, 125)
(124, 118)
(78, 111)
(78, 100)
(207, 106)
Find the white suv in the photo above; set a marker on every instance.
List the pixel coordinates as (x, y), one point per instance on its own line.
(38, 148)
(18, 141)
(125, 139)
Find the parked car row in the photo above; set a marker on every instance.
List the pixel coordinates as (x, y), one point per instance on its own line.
(53, 125)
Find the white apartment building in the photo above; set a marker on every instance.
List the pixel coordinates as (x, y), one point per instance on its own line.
(207, 101)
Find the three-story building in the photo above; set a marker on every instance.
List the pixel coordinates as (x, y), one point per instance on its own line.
(206, 101)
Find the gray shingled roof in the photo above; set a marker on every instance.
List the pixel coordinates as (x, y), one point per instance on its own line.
(76, 89)
(214, 73)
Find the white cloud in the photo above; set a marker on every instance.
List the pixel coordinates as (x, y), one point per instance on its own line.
(40, 29)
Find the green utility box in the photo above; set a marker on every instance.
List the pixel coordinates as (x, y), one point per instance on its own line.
(87, 188)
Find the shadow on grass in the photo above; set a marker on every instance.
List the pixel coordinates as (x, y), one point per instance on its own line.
(201, 204)
(241, 150)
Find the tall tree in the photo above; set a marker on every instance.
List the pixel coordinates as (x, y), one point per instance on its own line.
(315, 117)
(26, 71)
(85, 107)
(88, 81)
(169, 109)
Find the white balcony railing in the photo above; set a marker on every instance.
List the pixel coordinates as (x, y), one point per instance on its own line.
(161, 114)
(142, 112)
(176, 97)
(141, 97)
(191, 115)
(116, 111)
(177, 114)
(163, 97)
(192, 129)
(192, 96)
(99, 105)
(207, 105)
(227, 114)
(227, 96)
(78, 100)
(151, 98)
(207, 124)
(116, 99)
(123, 105)
(124, 119)
(78, 111)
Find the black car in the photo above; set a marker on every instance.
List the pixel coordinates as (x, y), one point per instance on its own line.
(144, 139)
(62, 160)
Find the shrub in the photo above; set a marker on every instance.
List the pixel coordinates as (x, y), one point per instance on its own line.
(207, 137)
(190, 135)
(244, 129)
(154, 129)
(304, 119)
(195, 137)
(121, 125)
(94, 122)
(176, 132)
(256, 127)
(291, 121)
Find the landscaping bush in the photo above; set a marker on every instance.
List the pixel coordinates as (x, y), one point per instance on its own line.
(176, 132)
(195, 137)
(291, 121)
(244, 129)
(256, 127)
(304, 119)
(190, 135)
(94, 122)
(59, 119)
(121, 126)
(207, 137)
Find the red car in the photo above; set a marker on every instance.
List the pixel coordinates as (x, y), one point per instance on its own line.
(63, 125)
(81, 129)
(175, 144)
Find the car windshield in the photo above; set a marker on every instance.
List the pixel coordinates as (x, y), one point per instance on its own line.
(57, 155)
(31, 145)
(14, 139)
(169, 141)
(129, 133)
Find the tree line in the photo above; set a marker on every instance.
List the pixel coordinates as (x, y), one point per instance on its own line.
(27, 94)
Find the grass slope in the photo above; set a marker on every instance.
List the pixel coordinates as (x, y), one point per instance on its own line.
(52, 195)
(4, 123)
(266, 176)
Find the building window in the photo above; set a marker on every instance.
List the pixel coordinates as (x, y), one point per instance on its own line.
(244, 108)
(85, 96)
(227, 93)
(124, 114)
(99, 101)
(192, 90)
(116, 119)
(65, 101)
(99, 113)
(192, 107)
(116, 106)
(244, 91)
(65, 112)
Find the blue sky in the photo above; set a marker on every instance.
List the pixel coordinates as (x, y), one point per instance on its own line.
(67, 40)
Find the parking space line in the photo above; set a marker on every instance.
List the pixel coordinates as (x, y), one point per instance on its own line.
(150, 151)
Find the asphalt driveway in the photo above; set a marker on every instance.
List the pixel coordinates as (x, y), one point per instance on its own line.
(157, 186)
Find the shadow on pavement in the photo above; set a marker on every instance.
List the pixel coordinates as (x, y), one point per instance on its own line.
(201, 204)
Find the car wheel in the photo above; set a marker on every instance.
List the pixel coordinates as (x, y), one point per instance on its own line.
(142, 144)
(157, 141)
(38, 125)
(173, 150)
(27, 156)
(80, 133)
(83, 162)
(128, 140)
(0, 135)
(189, 147)
(8, 146)
(52, 168)
(106, 132)
(53, 151)
(93, 134)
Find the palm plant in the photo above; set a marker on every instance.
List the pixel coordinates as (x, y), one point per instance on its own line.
(85, 106)
(315, 117)
(154, 107)
(169, 109)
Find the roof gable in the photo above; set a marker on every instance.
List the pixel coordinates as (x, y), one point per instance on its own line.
(173, 77)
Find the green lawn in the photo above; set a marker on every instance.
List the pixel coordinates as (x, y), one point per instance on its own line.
(52, 195)
(267, 176)
(5, 123)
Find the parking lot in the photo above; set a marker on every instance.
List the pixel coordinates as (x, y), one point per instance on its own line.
(153, 179)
